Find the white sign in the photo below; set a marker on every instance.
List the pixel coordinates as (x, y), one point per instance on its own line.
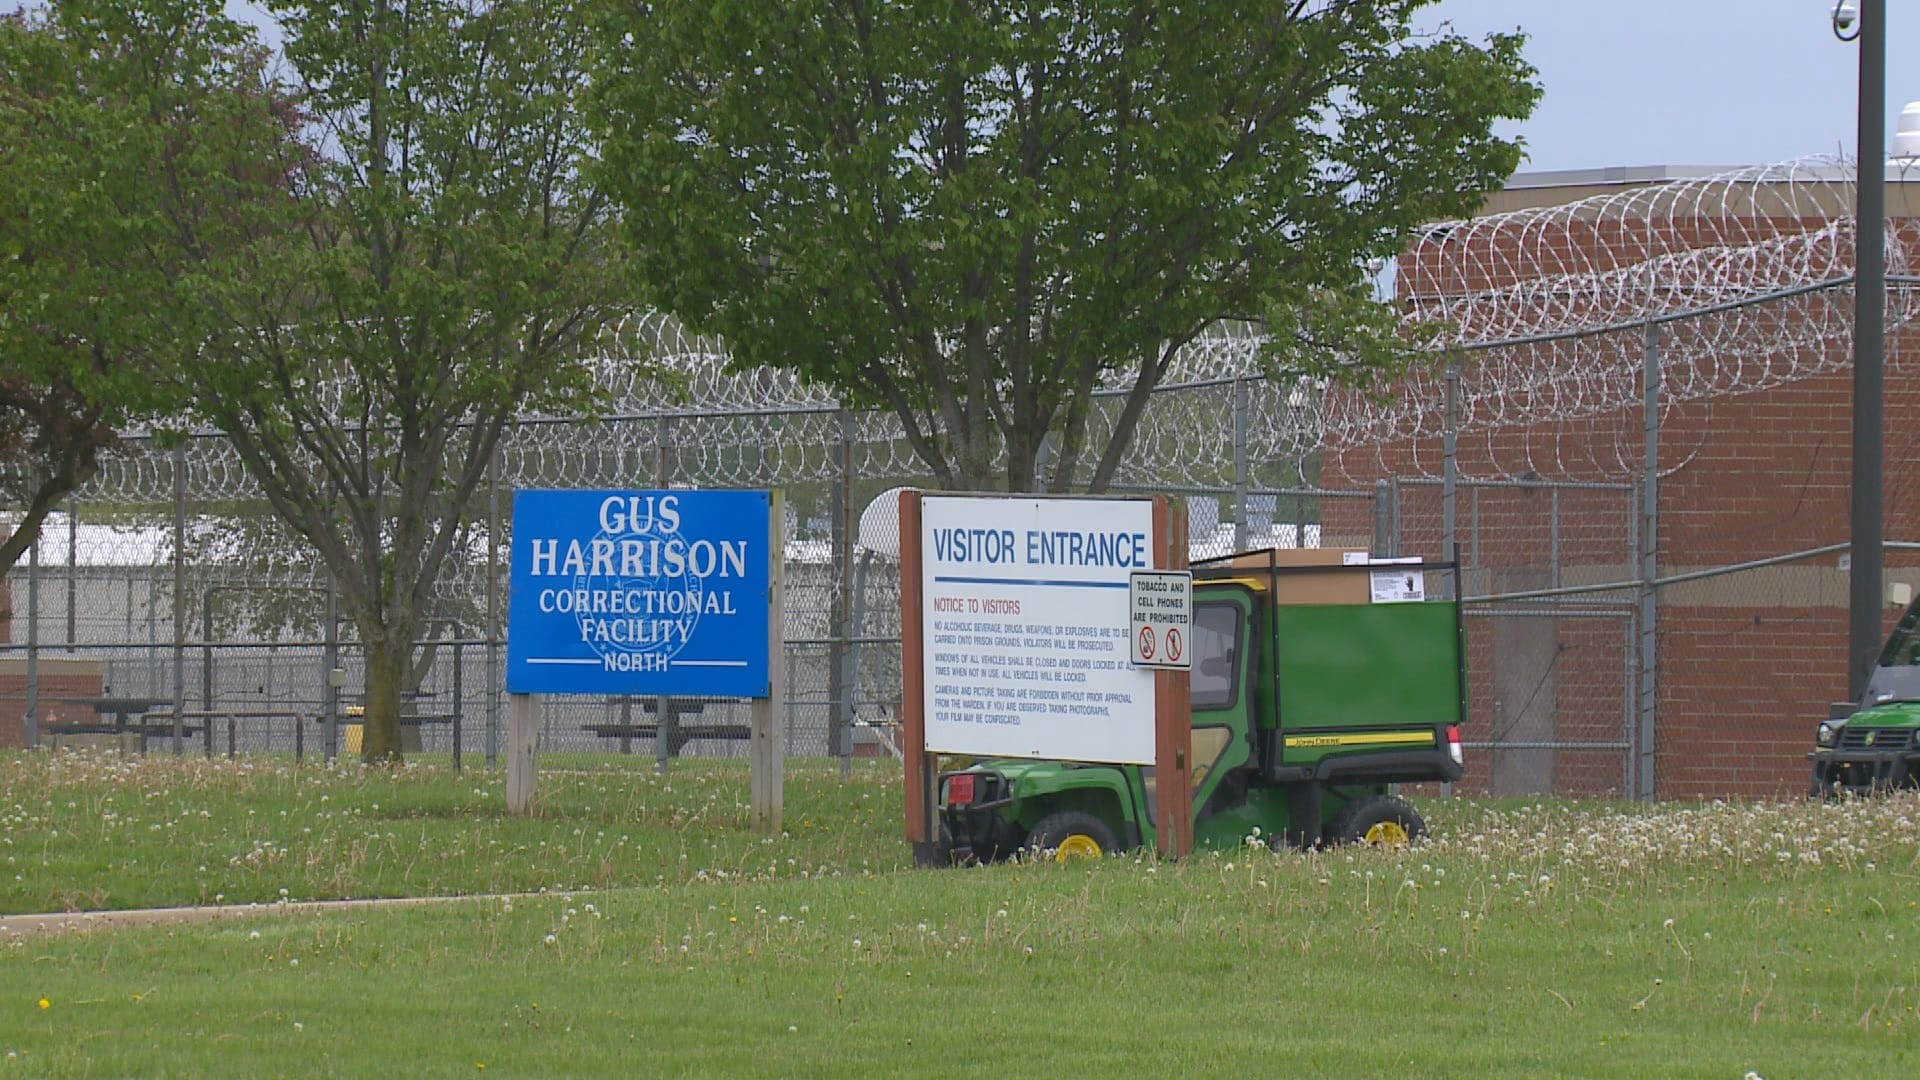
(1025, 612)
(1161, 602)
(1398, 584)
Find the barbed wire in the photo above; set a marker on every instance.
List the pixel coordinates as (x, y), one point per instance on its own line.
(1546, 313)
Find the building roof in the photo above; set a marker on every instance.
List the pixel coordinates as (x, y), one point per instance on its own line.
(1558, 187)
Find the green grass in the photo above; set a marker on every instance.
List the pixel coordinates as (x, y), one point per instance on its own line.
(86, 832)
(1530, 940)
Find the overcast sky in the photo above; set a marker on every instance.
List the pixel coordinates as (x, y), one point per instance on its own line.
(1689, 82)
(1679, 82)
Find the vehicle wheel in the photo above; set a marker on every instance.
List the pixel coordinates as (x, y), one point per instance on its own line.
(1381, 820)
(1072, 834)
(938, 853)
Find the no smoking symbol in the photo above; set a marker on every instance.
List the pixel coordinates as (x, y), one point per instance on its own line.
(1173, 645)
(1146, 643)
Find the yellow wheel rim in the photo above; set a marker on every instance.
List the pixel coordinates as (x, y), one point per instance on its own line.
(1388, 833)
(1076, 846)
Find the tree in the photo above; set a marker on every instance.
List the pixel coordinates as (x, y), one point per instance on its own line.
(974, 213)
(424, 263)
(93, 131)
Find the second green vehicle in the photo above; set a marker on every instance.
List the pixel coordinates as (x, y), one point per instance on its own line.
(1873, 745)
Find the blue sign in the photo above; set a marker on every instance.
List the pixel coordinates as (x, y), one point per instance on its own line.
(639, 592)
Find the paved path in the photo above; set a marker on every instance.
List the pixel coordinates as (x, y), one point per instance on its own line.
(18, 926)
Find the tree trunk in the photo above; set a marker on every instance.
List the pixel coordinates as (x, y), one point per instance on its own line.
(387, 661)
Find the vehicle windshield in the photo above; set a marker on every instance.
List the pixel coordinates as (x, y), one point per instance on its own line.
(1216, 659)
(1897, 676)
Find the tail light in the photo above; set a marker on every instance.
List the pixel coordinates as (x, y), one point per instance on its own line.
(960, 789)
(1454, 750)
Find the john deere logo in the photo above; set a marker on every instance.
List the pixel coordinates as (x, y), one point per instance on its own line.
(1869, 738)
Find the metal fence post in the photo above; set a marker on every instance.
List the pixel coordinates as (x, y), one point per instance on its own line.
(1649, 542)
(1386, 517)
(179, 591)
(206, 662)
(1450, 476)
(330, 695)
(493, 608)
(839, 695)
(31, 718)
(459, 700)
(665, 720)
(73, 571)
(1449, 483)
(858, 622)
(1241, 408)
(1553, 536)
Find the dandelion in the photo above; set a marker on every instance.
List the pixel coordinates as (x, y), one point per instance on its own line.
(45, 1004)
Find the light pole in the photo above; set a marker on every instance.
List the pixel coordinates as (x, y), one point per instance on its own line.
(1868, 24)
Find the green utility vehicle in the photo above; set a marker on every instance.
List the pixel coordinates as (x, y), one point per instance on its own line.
(1304, 713)
(1874, 744)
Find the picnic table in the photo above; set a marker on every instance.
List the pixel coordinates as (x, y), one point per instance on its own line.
(208, 717)
(679, 732)
(121, 716)
(353, 717)
(678, 735)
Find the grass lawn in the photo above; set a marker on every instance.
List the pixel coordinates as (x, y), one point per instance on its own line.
(1526, 940)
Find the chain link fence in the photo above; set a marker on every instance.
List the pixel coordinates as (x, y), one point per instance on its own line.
(1600, 663)
(236, 631)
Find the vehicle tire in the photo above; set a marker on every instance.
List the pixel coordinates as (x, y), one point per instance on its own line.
(1072, 834)
(938, 853)
(1379, 820)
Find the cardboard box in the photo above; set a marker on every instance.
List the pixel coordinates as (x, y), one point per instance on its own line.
(1333, 575)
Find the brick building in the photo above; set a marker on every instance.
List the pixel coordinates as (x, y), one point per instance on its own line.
(1754, 450)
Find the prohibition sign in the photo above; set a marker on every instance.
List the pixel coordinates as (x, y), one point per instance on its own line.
(1160, 611)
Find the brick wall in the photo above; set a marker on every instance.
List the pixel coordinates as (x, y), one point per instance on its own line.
(56, 677)
(1748, 663)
